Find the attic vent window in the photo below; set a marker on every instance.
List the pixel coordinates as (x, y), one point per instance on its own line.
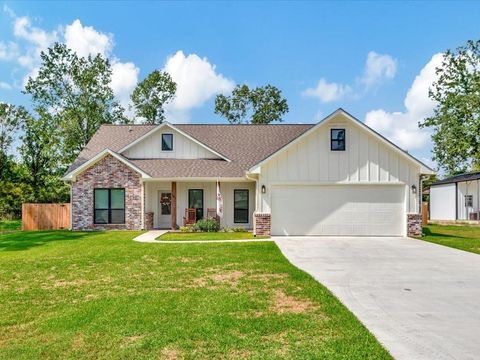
(337, 139)
(167, 142)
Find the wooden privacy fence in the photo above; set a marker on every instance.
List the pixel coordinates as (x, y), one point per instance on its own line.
(425, 213)
(45, 216)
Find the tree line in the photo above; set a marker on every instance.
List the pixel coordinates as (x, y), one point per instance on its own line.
(70, 98)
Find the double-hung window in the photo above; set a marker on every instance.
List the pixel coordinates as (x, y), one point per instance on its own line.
(109, 206)
(240, 206)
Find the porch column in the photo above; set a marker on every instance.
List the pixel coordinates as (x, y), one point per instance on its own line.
(174, 205)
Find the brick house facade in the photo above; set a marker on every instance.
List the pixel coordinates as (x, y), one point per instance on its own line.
(106, 173)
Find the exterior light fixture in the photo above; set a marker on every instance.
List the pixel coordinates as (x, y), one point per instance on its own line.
(264, 189)
(414, 189)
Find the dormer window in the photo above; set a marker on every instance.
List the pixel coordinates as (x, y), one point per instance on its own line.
(337, 139)
(167, 142)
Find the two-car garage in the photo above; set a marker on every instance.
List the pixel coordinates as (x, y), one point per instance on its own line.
(342, 210)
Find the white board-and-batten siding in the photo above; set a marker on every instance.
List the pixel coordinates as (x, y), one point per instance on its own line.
(183, 148)
(366, 160)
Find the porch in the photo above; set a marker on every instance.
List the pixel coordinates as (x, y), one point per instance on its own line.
(165, 202)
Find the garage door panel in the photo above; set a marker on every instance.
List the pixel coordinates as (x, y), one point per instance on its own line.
(338, 210)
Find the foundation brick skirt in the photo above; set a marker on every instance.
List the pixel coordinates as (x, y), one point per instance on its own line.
(414, 225)
(262, 225)
(149, 221)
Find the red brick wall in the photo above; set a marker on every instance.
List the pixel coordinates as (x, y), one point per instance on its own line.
(107, 173)
(262, 225)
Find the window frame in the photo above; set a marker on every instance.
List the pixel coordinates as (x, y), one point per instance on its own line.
(336, 139)
(247, 209)
(167, 134)
(203, 203)
(109, 209)
(468, 200)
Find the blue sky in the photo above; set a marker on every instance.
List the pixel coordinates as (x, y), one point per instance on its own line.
(374, 59)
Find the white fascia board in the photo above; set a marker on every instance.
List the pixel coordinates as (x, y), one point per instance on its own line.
(167, 124)
(71, 175)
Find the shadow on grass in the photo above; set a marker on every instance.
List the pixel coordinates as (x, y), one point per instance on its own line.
(429, 232)
(24, 240)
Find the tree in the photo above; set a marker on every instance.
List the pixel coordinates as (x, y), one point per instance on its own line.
(76, 92)
(152, 94)
(456, 118)
(41, 156)
(260, 105)
(11, 120)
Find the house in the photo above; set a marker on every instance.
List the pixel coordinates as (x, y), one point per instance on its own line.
(456, 198)
(336, 177)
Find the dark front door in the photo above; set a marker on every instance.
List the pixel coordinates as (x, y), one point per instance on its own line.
(195, 201)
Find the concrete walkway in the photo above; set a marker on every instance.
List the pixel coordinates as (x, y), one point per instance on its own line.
(150, 236)
(421, 300)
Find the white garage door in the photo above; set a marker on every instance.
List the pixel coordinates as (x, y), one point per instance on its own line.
(368, 210)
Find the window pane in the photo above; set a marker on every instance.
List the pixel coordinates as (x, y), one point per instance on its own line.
(167, 142)
(338, 145)
(195, 201)
(118, 216)
(117, 198)
(338, 134)
(101, 216)
(241, 199)
(166, 203)
(240, 216)
(101, 199)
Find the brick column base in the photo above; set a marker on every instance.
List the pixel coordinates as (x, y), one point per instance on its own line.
(149, 221)
(262, 224)
(414, 225)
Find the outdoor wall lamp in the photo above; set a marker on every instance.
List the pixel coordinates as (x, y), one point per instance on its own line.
(414, 189)
(264, 189)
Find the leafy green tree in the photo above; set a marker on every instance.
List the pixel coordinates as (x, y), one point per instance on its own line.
(456, 119)
(152, 94)
(41, 156)
(76, 93)
(260, 105)
(11, 121)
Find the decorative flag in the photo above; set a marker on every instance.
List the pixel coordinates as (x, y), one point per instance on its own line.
(219, 202)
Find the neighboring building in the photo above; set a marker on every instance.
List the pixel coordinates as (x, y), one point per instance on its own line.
(337, 177)
(456, 198)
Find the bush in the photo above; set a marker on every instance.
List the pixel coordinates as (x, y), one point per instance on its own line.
(184, 229)
(238, 229)
(208, 225)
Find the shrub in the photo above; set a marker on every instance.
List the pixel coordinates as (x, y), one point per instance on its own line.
(184, 229)
(208, 225)
(238, 229)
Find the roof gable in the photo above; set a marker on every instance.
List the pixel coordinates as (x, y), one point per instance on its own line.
(345, 115)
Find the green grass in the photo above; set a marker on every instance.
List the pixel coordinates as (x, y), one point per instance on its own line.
(179, 236)
(10, 225)
(79, 295)
(459, 237)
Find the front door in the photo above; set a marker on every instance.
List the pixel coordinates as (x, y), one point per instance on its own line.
(164, 209)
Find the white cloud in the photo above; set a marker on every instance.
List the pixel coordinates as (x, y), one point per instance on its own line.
(5, 86)
(8, 51)
(197, 81)
(23, 29)
(124, 80)
(402, 127)
(85, 40)
(378, 68)
(328, 92)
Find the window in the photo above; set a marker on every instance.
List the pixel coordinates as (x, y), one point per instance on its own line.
(240, 206)
(167, 142)
(195, 201)
(469, 200)
(337, 139)
(109, 206)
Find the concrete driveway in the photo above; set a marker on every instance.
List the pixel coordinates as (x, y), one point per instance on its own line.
(421, 300)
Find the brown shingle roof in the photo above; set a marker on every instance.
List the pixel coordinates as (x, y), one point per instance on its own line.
(244, 145)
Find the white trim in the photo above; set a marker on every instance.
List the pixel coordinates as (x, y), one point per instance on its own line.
(198, 179)
(343, 183)
(141, 138)
(71, 175)
(424, 168)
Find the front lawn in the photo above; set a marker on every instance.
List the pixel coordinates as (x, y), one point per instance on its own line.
(459, 237)
(10, 225)
(179, 236)
(94, 295)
